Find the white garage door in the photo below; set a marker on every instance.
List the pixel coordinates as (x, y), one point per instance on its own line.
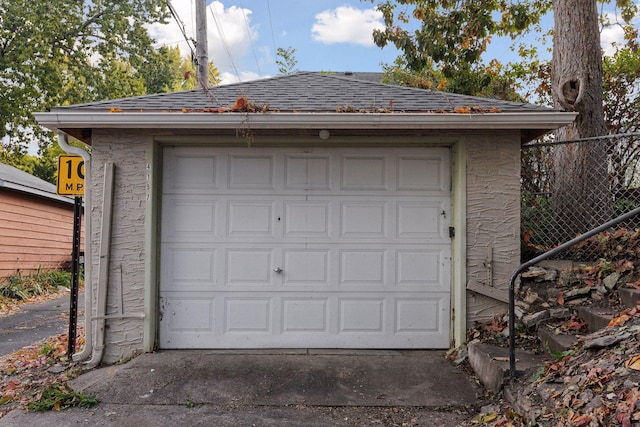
(305, 248)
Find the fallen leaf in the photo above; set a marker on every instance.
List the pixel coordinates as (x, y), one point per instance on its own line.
(490, 417)
(633, 363)
(560, 298)
(575, 325)
(624, 419)
(582, 420)
(619, 321)
(11, 385)
(241, 104)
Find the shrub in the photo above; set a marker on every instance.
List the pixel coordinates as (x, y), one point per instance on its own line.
(23, 287)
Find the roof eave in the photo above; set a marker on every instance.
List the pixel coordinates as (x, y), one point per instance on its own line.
(34, 192)
(546, 120)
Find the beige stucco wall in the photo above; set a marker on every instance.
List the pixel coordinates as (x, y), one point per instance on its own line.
(492, 227)
(493, 217)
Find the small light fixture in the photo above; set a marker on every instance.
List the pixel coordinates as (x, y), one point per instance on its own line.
(324, 134)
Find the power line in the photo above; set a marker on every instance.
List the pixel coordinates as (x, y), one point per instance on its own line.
(223, 39)
(181, 27)
(273, 37)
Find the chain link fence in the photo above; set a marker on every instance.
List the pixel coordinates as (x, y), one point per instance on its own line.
(571, 187)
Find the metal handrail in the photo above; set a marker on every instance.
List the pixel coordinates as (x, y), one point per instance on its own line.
(548, 254)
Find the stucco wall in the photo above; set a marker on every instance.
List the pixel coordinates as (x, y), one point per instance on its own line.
(493, 217)
(126, 271)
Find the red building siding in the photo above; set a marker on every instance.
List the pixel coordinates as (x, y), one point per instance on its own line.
(35, 233)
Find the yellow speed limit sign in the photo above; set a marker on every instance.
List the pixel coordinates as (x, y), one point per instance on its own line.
(70, 175)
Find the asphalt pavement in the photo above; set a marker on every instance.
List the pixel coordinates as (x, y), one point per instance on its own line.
(34, 322)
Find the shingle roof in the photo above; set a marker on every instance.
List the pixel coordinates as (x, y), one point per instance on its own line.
(14, 179)
(310, 92)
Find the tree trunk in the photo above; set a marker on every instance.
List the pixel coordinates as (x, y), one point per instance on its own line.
(580, 186)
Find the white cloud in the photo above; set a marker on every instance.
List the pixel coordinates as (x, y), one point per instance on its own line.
(227, 77)
(170, 34)
(229, 32)
(346, 24)
(611, 35)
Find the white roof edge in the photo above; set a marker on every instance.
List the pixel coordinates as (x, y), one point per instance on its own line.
(277, 120)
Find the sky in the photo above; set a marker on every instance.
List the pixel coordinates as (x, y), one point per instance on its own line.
(243, 36)
(327, 35)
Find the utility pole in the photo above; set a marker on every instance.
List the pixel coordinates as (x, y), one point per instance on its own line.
(202, 74)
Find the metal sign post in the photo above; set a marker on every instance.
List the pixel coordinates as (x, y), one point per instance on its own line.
(71, 183)
(75, 273)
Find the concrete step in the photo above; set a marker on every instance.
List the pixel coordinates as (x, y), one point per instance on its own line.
(596, 318)
(629, 296)
(555, 343)
(491, 364)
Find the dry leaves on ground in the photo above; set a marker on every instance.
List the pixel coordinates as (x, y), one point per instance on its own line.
(28, 372)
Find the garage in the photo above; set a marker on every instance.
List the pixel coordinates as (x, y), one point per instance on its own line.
(311, 210)
(274, 247)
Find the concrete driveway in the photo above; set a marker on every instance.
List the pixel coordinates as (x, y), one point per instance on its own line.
(269, 388)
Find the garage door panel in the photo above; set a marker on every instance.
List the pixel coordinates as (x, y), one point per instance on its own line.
(186, 267)
(188, 217)
(188, 315)
(251, 172)
(364, 173)
(364, 267)
(303, 267)
(285, 320)
(251, 218)
(306, 219)
(249, 315)
(364, 219)
(422, 173)
(305, 172)
(420, 220)
(422, 268)
(419, 315)
(304, 316)
(289, 248)
(190, 170)
(249, 267)
(361, 315)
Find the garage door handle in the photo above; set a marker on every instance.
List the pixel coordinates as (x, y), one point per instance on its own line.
(278, 270)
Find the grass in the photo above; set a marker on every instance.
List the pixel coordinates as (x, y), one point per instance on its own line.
(191, 404)
(560, 355)
(61, 396)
